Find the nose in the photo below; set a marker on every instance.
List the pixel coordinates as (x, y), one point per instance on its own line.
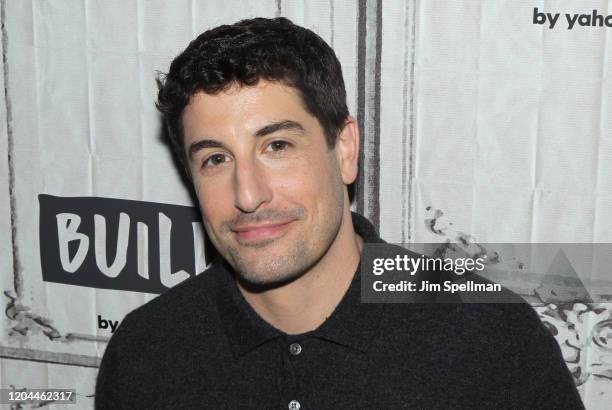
(251, 187)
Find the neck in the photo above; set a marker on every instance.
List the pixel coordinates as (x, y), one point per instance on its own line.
(304, 304)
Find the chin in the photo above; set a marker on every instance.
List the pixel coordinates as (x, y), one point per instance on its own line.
(260, 282)
(265, 274)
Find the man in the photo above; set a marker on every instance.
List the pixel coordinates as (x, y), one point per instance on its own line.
(257, 114)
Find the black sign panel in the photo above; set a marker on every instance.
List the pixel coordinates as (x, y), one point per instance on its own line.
(119, 244)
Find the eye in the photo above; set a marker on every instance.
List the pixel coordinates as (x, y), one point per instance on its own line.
(215, 160)
(278, 145)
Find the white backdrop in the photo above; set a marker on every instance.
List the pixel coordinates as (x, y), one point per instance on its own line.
(471, 114)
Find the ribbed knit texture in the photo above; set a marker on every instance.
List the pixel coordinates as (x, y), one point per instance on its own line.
(201, 346)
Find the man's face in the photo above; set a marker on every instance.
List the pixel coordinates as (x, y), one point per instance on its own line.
(271, 192)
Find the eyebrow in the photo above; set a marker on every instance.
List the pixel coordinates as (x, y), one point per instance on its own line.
(206, 143)
(278, 126)
(262, 132)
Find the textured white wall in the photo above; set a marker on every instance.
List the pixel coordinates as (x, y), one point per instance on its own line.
(466, 107)
(512, 143)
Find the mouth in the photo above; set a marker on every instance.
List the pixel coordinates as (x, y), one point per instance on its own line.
(253, 234)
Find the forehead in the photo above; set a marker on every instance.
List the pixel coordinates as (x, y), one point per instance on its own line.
(243, 109)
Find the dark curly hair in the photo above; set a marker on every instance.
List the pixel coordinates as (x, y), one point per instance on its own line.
(245, 52)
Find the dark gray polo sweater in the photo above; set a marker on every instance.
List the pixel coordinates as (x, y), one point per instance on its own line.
(200, 345)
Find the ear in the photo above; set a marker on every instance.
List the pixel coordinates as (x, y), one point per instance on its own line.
(347, 150)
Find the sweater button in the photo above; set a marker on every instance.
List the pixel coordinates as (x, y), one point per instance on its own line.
(294, 405)
(295, 349)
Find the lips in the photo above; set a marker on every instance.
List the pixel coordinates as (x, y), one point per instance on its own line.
(261, 232)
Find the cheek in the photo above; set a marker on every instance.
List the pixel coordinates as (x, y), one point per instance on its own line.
(310, 185)
(295, 180)
(214, 203)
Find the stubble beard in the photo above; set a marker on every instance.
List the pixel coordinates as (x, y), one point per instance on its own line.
(270, 269)
(274, 268)
(267, 267)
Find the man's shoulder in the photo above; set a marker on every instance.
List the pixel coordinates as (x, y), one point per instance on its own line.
(470, 322)
(504, 338)
(189, 304)
(159, 340)
(517, 317)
